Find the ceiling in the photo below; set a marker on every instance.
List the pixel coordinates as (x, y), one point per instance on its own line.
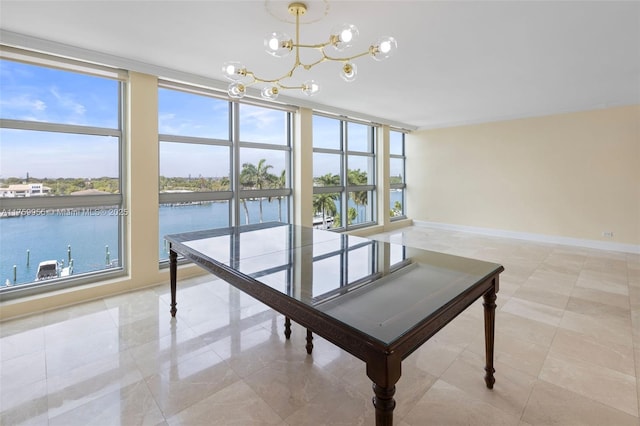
(457, 62)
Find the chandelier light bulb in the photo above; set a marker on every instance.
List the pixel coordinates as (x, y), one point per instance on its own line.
(384, 48)
(310, 87)
(236, 90)
(278, 44)
(349, 72)
(270, 92)
(344, 36)
(234, 71)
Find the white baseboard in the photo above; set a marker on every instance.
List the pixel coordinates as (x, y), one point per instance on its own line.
(541, 238)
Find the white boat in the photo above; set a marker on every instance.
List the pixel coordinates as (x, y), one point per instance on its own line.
(49, 269)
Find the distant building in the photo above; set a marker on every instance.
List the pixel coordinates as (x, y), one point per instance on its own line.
(25, 190)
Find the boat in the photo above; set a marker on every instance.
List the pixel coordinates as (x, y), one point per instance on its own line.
(50, 269)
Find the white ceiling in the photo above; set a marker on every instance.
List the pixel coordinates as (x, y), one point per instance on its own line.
(457, 62)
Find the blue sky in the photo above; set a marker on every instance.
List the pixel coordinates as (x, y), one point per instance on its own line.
(42, 94)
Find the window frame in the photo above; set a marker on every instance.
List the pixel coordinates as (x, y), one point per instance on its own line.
(402, 186)
(60, 202)
(345, 188)
(236, 193)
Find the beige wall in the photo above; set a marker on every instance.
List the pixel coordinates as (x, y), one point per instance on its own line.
(572, 175)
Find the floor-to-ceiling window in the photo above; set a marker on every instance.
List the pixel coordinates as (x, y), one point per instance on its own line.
(61, 183)
(397, 183)
(222, 163)
(344, 191)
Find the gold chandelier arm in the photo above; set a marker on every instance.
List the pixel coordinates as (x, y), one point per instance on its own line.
(257, 79)
(350, 58)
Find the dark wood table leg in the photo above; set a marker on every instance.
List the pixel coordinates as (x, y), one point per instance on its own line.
(173, 269)
(287, 327)
(309, 345)
(489, 334)
(384, 370)
(384, 403)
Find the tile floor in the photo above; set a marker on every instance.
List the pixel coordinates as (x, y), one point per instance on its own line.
(567, 353)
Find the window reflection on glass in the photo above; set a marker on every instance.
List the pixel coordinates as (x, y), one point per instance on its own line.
(360, 263)
(397, 254)
(327, 276)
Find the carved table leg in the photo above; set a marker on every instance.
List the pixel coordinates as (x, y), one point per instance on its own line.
(384, 403)
(489, 333)
(287, 327)
(173, 268)
(309, 345)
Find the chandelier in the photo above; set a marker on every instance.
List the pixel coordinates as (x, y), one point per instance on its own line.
(279, 44)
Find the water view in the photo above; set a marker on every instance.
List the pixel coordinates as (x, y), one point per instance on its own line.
(90, 241)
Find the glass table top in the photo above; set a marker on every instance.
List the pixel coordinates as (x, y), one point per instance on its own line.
(379, 288)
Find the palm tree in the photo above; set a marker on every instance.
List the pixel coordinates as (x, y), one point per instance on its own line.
(360, 198)
(325, 203)
(255, 177)
(281, 182)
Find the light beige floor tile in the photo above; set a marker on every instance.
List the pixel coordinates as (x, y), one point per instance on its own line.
(128, 405)
(189, 382)
(525, 329)
(158, 355)
(21, 343)
(339, 406)
(533, 310)
(22, 371)
(97, 353)
(594, 295)
(552, 405)
(588, 349)
(62, 357)
(598, 310)
(24, 405)
(288, 385)
(610, 387)
(606, 329)
(532, 293)
(87, 383)
(252, 349)
(444, 404)
(18, 325)
(236, 404)
(510, 392)
(603, 283)
(519, 354)
(436, 355)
